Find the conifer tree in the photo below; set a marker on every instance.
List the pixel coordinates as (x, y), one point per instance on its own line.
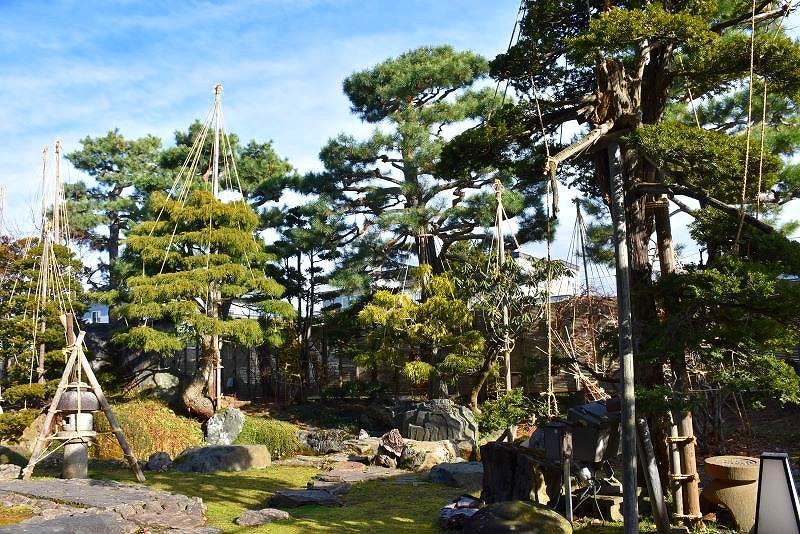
(201, 268)
(20, 334)
(388, 184)
(125, 172)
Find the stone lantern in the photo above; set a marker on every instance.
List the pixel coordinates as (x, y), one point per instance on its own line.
(77, 404)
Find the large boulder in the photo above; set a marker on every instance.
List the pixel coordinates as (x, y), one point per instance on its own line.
(325, 441)
(518, 517)
(423, 455)
(465, 475)
(224, 427)
(441, 419)
(212, 458)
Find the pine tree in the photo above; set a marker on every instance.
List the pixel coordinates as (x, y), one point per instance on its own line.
(20, 292)
(201, 265)
(388, 184)
(125, 172)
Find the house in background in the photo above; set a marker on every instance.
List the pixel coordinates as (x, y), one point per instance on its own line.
(97, 313)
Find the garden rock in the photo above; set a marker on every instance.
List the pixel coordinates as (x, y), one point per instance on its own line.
(517, 517)
(252, 518)
(457, 513)
(423, 455)
(337, 488)
(224, 427)
(325, 441)
(362, 446)
(390, 449)
(295, 498)
(213, 458)
(441, 419)
(9, 471)
(466, 475)
(159, 462)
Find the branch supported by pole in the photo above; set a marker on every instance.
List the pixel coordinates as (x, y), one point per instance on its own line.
(630, 506)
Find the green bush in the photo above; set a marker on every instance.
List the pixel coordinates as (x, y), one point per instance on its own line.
(150, 426)
(507, 410)
(12, 424)
(34, 394)
(280, 437)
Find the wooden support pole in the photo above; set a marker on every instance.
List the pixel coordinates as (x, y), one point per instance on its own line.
(51, 411)
(687, 466)
(630, 506)
(647, 457)
(112, 420)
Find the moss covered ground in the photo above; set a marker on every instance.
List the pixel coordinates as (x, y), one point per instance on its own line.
(374, 506)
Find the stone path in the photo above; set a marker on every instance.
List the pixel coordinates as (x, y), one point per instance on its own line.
(100, 506)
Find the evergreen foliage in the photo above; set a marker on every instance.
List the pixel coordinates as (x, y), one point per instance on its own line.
(193, 246)
(19, 294)
(388, 185)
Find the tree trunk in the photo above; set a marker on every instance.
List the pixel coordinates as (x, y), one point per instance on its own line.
(193, 399)
(438, 386)
(480, 381)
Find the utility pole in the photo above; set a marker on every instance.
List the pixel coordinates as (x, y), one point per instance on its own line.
(630, 508)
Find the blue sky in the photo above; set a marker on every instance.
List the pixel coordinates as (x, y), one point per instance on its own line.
(72, 69)
(76, 68)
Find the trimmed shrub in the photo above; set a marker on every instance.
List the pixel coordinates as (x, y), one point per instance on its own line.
(509, 409)
(12, 424)
(280, 437)
(150, 426)
(33, 394)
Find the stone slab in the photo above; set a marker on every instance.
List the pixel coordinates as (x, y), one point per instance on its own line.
(81, 523)
(141, 505)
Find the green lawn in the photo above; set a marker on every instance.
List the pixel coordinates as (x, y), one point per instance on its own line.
(374, 506)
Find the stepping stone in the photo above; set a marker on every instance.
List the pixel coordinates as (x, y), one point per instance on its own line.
(368, 473)
(252, 518)
(337, 488)
(295, 498)
(348, 466)
(97, 523)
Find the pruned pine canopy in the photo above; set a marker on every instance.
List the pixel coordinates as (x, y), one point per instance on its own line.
(193, 245)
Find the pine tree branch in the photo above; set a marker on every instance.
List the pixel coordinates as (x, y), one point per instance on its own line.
(746, 16)
(551, 167)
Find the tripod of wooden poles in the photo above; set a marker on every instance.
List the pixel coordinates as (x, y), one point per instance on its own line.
(77, 365)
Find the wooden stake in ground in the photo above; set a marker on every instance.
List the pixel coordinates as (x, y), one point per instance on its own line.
(77, 357)
(684, 473)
